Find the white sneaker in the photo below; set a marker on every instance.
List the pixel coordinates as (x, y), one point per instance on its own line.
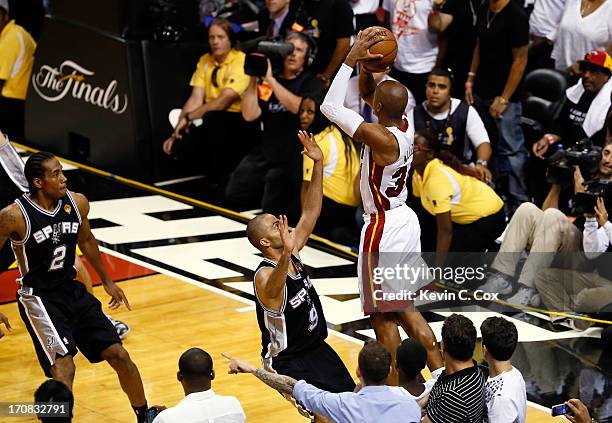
(121, 328)
(497, 282)
(525, 296)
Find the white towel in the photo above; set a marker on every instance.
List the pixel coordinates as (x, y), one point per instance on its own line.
(596, 115)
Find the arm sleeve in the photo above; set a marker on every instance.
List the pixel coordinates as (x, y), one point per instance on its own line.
(13, 166)
(333, 105)
(595, 241)
(318, 401)
(475, 128)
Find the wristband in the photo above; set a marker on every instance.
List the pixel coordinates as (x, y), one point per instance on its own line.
(469, 85)
(473, 74)
(482, 162)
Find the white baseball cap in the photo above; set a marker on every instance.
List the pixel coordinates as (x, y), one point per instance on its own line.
(4, 5)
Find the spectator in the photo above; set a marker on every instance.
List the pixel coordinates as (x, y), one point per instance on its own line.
(539, 231)
(375, 402)
(365, 13)
(272, 19)
(269, 176)
(469, 214)
(356, 94)
(340, 168)
(330, 24)
(417, 47)
(454, 123)
(579, 412)
(200, 403)
(55, 391)
(455, 21)
(500, 58)
(586, 25)
(218, 83)
(586, 103)
(543, 23)
(580, 291)
(458, 395)
(505, 395)
(16, 60)
(411, 360)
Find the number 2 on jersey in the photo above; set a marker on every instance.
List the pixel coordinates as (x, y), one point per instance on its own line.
(59, 255)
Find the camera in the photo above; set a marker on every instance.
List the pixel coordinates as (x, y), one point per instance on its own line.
(256, 61)
(585, 201)
(561, 164)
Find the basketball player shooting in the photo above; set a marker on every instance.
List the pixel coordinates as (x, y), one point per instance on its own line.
(391, 227)
(44, 227)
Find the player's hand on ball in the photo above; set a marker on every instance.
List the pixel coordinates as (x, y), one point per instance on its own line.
(311, 148)
(288, 238)
(5, 320)
(360, 50)
(238, 366)
(117, 296)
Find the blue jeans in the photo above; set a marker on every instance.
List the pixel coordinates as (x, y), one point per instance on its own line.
(508, 147)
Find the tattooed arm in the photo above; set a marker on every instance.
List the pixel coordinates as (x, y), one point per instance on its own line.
(283, 384)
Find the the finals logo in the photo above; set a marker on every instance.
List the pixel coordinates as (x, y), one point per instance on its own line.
(54, 83)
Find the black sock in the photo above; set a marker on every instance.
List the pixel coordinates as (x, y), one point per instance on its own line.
(141, 413)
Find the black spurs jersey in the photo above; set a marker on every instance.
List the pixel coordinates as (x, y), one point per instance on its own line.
(299, 325)
(46, 255)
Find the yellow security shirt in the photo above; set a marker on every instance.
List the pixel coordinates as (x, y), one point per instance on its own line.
(229, 74)
(16, 60)
(338, 174)
(443, 189)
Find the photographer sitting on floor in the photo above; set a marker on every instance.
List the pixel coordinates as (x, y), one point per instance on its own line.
(546, 231)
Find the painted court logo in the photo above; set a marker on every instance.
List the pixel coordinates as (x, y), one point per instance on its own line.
(69, 79)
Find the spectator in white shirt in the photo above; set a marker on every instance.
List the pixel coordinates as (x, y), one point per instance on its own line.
(586, 25)
(505, 394)
(200, 404)
(543, 24)
(417, 46)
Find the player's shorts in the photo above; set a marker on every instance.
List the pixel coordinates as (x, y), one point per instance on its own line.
(320, 367)
(390, 267)
(63, 321)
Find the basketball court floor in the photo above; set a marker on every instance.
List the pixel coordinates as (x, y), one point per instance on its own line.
(187, 267)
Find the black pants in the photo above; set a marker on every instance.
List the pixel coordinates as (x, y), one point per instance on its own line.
(415, 82)
(216, 147)
(275, 187)
(337, 223)
(479, 235)
(12, 117)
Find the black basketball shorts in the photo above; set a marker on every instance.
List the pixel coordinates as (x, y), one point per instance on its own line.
(63, 321)
(320, 367)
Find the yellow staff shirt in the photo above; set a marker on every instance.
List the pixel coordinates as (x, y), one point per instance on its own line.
(16, 59)
(443, 189)
(338, 173)
(229, 74)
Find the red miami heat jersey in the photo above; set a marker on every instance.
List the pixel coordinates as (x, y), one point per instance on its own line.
(384, 187)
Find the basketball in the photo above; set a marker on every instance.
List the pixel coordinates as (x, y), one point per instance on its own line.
(387, 47)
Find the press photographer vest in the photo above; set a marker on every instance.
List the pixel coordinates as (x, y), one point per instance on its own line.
(451, 131)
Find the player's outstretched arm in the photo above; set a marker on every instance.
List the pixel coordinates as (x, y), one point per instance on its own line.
(271, 282)
(89, 247)
(313, 200)
(283, 384)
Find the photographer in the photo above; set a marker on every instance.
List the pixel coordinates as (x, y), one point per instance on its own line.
(217, 83)
(586, 104)
(543, 232)
(269, 176)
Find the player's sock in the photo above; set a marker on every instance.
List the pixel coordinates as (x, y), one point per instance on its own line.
(141, 413)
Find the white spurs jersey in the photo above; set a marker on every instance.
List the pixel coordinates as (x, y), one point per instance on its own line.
(384, 187)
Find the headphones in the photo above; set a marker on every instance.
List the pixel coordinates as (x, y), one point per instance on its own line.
(312, 45)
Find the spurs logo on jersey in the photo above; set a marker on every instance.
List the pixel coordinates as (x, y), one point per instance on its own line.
(46, 254)
(384, 187)
(299, 325)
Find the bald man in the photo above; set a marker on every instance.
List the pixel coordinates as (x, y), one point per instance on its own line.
(289, 312)
(391, 227)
